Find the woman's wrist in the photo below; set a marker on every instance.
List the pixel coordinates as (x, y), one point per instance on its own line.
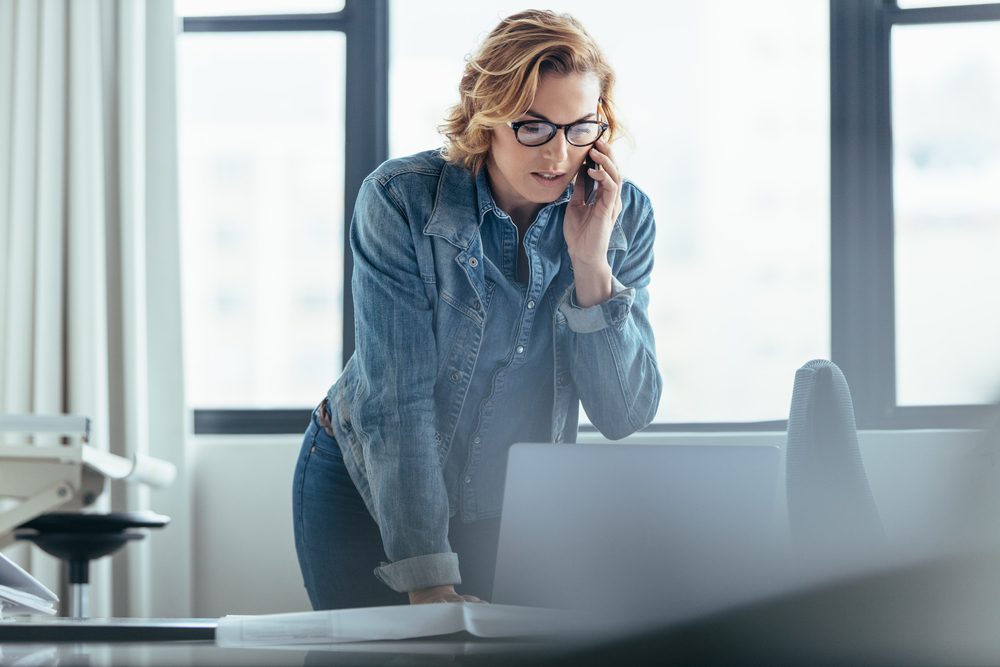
(593, 283)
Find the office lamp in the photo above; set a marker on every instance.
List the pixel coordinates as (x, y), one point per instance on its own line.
(69, 476)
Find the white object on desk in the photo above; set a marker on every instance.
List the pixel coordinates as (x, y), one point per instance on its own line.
(399, 622)
(47, 477)
(21, 593)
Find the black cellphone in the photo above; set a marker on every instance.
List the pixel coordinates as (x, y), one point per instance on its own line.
(589, 184)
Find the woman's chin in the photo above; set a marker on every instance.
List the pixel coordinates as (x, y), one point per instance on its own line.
(537, 195)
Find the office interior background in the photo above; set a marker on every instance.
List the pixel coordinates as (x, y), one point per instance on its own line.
(825, 176)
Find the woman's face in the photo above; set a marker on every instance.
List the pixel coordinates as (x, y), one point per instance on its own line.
(524, 177)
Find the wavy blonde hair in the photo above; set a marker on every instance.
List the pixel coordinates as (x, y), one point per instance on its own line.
(502, 77)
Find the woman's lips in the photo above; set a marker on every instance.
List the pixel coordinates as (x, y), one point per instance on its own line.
(555, 181)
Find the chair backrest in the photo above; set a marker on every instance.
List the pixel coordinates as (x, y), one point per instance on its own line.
(830, 503)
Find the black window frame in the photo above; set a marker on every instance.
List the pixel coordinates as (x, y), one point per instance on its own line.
(861, 208)
(862, 245)
(365, 25)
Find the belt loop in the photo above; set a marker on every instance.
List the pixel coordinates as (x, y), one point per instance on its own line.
(323, 416)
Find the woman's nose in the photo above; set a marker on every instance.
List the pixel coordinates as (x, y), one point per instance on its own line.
(557, 147)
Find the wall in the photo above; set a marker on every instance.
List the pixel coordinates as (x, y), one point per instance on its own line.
(243, 546)
(245, 558)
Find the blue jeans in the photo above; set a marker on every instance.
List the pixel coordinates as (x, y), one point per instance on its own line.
(338, 542)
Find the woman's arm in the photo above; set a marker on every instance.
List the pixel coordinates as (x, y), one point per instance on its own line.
(612, 351)
(394, 417)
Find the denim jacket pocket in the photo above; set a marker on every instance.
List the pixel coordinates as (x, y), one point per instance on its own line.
(472, 307)
(457, 353)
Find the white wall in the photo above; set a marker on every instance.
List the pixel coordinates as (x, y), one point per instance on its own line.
(244, 553)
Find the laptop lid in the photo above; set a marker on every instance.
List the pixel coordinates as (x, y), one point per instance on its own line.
(671, 529)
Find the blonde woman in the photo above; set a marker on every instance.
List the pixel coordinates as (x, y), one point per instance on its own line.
(490, 301)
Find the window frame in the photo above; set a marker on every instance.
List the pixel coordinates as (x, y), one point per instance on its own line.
(365, 24)
(861, 208)
(862, 222)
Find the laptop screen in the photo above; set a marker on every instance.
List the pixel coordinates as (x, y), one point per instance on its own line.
(669, 529)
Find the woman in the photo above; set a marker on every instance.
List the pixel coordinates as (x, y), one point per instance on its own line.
(490, 301)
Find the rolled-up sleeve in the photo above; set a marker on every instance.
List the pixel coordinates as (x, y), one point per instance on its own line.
(611, 313)
(412, 574)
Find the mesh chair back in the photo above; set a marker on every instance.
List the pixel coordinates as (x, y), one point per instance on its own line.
(830, 503)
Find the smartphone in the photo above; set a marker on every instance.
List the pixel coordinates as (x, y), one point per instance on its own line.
(589, 184)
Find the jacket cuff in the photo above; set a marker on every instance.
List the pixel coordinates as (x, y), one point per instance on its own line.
(412, 574)
(611, 313)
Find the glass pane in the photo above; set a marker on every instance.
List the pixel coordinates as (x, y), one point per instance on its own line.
(730, 118)
(245, 7)
(261, 122)
(910, 4)
(946, 137)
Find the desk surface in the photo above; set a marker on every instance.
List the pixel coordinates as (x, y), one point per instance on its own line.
(933, 613)
(41, 629)
(455, 650)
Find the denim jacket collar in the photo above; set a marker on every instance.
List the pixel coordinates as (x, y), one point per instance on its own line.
(460, 205)
(454, 216)
(484, 194)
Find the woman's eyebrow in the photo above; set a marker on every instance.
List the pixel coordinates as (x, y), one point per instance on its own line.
(529, 112)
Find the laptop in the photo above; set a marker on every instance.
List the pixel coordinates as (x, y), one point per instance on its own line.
(670, 530)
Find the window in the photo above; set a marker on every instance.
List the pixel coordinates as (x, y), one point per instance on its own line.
(946, 167)
(255, 7)
(915, 215)
(911, 4)
(281, 117)
(729, 111)
(821, 173)
(262, 183)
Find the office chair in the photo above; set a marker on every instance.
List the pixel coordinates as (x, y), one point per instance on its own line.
(830, 503)
(80, 537)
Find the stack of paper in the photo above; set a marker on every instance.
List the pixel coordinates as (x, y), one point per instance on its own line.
(398, 622)
(21, 593)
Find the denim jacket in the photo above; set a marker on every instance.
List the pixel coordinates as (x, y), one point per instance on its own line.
(419, 296)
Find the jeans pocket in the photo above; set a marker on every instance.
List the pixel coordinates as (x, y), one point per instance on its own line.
(326, 445)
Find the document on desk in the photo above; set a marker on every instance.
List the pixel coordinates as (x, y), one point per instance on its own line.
(398, 622)
(21, 593)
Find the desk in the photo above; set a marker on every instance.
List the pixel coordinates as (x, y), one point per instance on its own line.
(943, 612)
(40, 630)
(455, 650)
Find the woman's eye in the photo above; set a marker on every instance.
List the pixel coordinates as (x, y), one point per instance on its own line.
(581, 132)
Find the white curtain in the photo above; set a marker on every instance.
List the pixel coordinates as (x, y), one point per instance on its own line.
(89, 269)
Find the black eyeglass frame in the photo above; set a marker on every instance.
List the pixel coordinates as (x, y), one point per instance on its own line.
(517, 125)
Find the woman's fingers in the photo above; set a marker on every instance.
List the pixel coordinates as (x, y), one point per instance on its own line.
(601, 154)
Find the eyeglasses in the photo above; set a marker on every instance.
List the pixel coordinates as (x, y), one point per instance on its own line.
(538, 132)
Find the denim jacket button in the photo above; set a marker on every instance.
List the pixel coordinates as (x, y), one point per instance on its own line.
(520, 349)
(531, 304)
(473, 262)
(476, 440)
(454, 377)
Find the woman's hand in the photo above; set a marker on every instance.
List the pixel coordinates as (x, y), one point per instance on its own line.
(440, 594)
(587, 229)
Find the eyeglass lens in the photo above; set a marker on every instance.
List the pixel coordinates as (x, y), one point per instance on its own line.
(580, 134)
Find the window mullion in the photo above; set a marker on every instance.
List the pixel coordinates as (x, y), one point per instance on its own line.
(861, 221)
